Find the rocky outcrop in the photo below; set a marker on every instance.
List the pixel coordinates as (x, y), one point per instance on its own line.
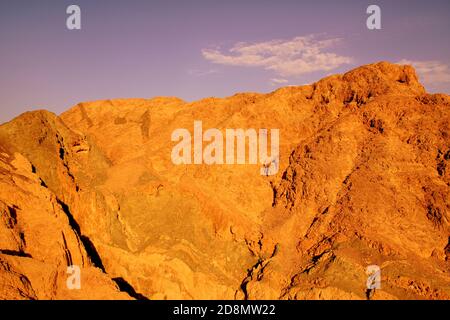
(39, 240)
(363, 180)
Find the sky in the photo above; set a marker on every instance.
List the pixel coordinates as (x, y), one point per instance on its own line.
(194, 49)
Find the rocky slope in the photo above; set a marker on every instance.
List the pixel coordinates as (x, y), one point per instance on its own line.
(363, 180)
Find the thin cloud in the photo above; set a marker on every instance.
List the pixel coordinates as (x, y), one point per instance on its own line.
(430, 72)
(279, 81)
(298, 56)
(201, 73)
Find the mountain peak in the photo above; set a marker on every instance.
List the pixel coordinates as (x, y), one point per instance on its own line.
(388, 73)
(368, 81)
(359, 183)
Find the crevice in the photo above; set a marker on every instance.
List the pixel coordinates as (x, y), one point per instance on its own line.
(23, 243)
(93, 255)
(124, 286)
(15, 253)
(370, 293)
(66, 251)
(256, 272)
(61, 153)
(87, 243)
(92, 252)
(274, 194)
(11, 216)
(43, 184)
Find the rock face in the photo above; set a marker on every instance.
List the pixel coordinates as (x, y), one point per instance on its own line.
(363, 180)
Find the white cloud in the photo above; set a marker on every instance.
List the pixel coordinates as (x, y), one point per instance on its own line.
(286, 58)
(279, 81)
(430, 72)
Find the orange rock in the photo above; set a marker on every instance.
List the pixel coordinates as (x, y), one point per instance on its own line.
(363, 180)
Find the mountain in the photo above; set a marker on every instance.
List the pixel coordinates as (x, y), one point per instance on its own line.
(363, 180)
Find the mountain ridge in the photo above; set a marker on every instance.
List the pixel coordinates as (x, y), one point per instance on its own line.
(363, 180)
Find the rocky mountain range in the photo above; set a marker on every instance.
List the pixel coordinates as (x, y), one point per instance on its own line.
(363, 180)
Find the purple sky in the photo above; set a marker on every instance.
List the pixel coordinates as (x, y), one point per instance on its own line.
(194, 49)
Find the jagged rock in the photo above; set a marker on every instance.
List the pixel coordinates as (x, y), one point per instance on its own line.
(38, 240)
(363, 180)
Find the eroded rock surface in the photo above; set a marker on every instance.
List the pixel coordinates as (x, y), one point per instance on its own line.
(363, 180)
